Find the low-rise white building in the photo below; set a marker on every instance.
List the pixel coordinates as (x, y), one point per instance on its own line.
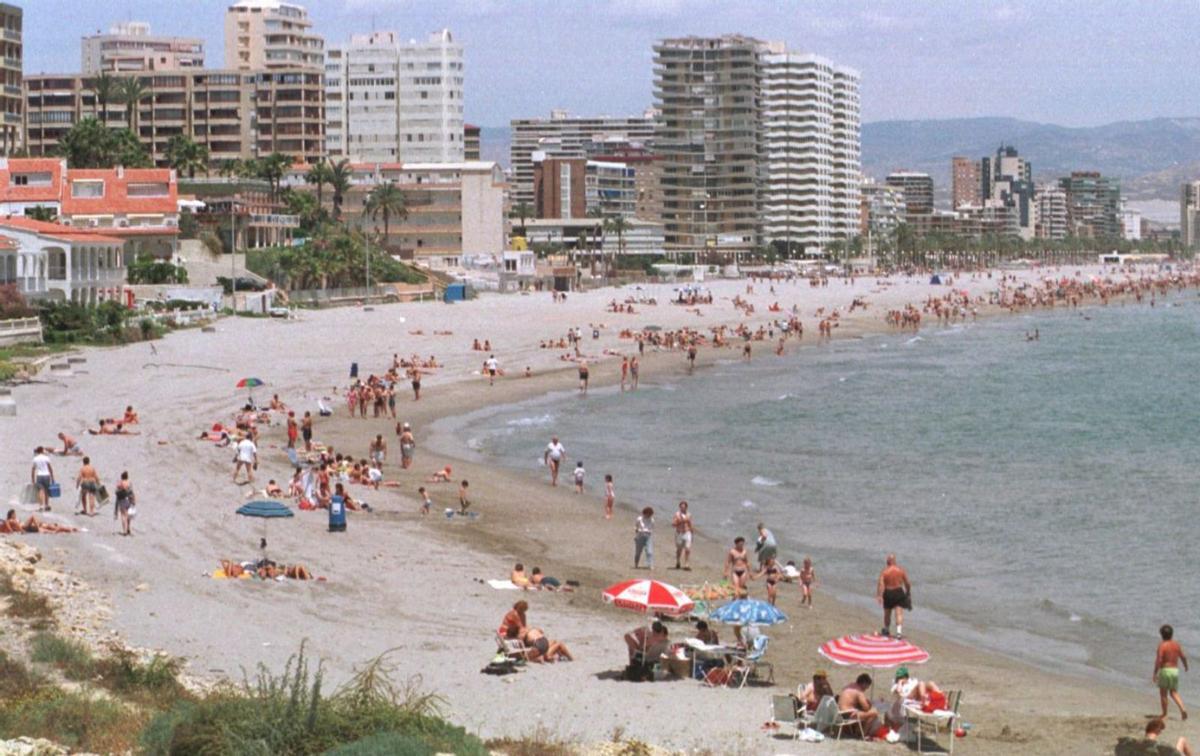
(61, 263)
(587, 235)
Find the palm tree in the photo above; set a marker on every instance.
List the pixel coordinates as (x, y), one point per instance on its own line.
(133, 91)
(616, 224)
(230, 168)
(522, 212)
(272, 168)
(105, 88)
(339, 182)
(388, 201)
(319, 175)
(186, 156)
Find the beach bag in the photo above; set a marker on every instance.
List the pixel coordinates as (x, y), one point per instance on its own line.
(102, 494)
(639, 672)
(506, 667)
(55, 490)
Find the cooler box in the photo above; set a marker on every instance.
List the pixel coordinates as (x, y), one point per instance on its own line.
(337, 515)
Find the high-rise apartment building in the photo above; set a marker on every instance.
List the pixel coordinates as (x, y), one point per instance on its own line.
(271, 34)
(1093, 205)
(710, 136)
(130, 46)
(560, 188)
(11, 69)
(811, 137)
(881, 209)
(915, 188)
(966, 182)
(1006, 183)
(1189, 214)
(564, 136)
(390, 100)
(237, 114)
(1051, 212)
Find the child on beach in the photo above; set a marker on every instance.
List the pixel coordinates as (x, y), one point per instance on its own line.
(463, 501)
(807, 576)
(1166, 670)
(426, 502)
(609, 497)
(579, 473)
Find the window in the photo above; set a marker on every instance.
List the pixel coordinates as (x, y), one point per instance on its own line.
(87, 189)
(148, 190)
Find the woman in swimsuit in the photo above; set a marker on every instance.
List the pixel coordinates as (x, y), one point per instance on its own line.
(773, 574)
(125, 503)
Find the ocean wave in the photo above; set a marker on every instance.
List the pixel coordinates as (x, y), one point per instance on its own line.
(783, 397)
(532, 422)
(475, 443)
(914, 340)
(747, 504)
(759, 480)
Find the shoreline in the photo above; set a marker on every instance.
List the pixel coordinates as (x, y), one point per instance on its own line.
(385, 569)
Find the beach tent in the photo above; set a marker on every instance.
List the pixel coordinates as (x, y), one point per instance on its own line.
(874, 651)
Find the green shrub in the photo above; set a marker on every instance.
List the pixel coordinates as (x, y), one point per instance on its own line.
(385, 744)
(17, 680)
(67, 654)
(26, 605)
(73, 719)
(290, 714)
(156, 680)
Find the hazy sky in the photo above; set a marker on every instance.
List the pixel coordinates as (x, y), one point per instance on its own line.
(1073, 63)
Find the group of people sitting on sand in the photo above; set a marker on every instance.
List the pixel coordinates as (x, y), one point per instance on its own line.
(907, 693)
(265, 569)
(536, 646)
(110, 427)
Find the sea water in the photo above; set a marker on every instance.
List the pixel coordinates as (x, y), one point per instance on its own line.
(1042, 494)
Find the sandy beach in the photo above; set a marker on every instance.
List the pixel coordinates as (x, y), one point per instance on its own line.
(398, 581)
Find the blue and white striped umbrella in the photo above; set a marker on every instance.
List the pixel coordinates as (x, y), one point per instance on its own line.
(748, 612)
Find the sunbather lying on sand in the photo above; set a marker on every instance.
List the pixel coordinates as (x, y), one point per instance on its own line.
(33, 525)
(542, 649)
(272, 489)
(112, 428)
(131, 417)
(266, 569)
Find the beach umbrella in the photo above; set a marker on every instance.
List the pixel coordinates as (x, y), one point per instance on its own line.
(250, 383)
(748, 612)
(265, 510)
(648, 597)
(875, 651)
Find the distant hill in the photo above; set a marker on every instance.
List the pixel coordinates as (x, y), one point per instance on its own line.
(1150, 157)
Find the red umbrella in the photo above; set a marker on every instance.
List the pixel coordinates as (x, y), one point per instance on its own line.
(874, 651)
(649, 597)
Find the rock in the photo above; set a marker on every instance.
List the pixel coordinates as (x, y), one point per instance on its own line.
(30, 747)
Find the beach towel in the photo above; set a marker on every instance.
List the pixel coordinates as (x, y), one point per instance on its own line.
(219, 574)
(503, 585)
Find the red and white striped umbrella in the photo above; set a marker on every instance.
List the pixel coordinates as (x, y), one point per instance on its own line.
(649, 597)
(874, 651)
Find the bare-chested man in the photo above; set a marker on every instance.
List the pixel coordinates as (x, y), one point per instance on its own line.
(683, 537)
(853, 699)
(408, 445)
(737, 566)
(893, 591)
(378, 450)
(88, 483)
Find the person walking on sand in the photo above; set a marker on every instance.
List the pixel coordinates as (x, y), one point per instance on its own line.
(378, 450)
(553, 457)
(41, 475)
(125, 506)
(293, 429)
(737, 567)
(247, 457)
(306, 431)
(893, 591)
(610, 497)
(492, 367)
(579, 474)
(643, 539)
(1166, 670)
(426, 502)
(683, 537)
(463, 501)
(408, 445)
(88, 483)
(765, 546)
(583, 377)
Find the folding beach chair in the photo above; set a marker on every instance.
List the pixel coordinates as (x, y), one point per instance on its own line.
(828, 719)
(783, 711)
(512, 648)
(920, 722)
(747, 666)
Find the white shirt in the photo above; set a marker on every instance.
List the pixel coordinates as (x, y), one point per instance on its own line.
(578, 474)
(246, 450)
(374, 474)
(41, 464)
(556, 451)
(491, 363)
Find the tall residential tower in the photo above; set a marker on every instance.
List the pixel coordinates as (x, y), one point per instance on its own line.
(390, 100)
(271, 34)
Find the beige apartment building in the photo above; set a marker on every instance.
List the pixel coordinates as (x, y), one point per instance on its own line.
(455, 210)
(130, 46)
(237, 114)
(11, 55)
(270, 34)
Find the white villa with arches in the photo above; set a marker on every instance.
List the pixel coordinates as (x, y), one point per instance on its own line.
(60, 263)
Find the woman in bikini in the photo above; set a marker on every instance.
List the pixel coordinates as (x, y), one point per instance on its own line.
(773, 573)
(125, 504)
